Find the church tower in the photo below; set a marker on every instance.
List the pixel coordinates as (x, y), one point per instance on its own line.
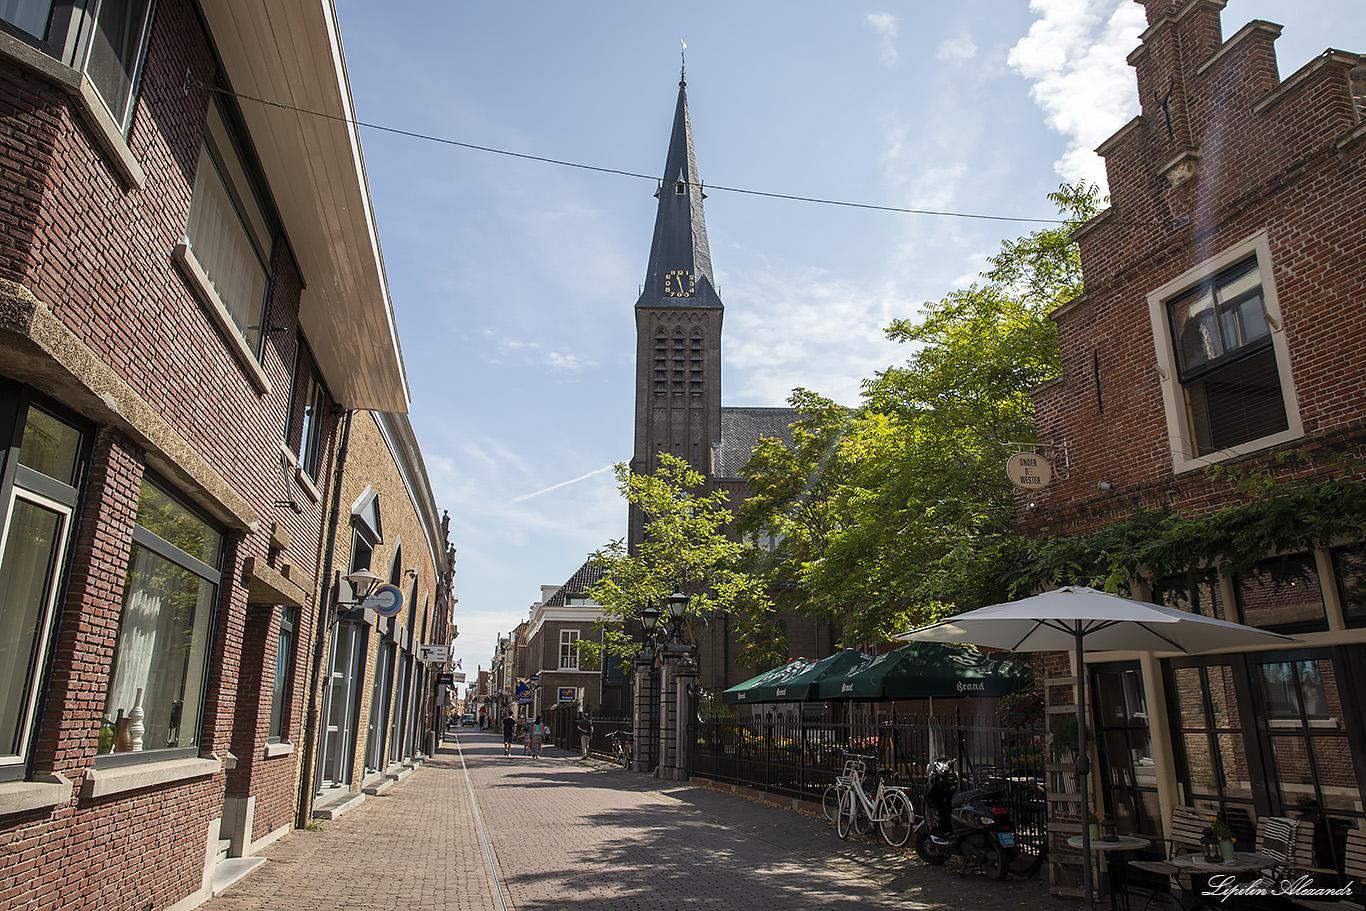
(678, 326)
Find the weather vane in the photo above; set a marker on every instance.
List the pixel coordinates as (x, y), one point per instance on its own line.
(683, 69)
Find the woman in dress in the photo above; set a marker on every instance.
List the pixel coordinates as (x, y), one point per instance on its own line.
(535, 736)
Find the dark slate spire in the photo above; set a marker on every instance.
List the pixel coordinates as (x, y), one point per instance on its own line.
(680, 241)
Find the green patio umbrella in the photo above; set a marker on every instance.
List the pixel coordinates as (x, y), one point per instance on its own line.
(927, 670)
(794, 681)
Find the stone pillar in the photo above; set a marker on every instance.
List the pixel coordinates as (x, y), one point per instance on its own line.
(668, 716)
(646, 713)
(676, 675)
(684, 736)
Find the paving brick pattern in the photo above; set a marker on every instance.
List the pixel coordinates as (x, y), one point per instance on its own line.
(568, 833)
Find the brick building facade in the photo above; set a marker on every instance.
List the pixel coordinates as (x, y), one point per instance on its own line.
(182, 280)
(1218, 335)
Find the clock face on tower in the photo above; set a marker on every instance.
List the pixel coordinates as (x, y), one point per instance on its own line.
(679, 283)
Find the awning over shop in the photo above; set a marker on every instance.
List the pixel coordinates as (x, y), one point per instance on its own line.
(926, 670)
(794, 681)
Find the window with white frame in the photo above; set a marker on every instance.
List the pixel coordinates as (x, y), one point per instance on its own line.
(285, 640)
(1223, 361)
(231, 232)
(105, 39)
(309, 402)
(569, 650)
(43, 459)
(161, 656)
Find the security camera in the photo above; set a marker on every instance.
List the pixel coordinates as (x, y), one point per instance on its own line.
(1104, 486)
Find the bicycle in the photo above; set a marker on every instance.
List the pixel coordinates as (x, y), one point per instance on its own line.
(890, 809)
(830, 800)
(623, 746)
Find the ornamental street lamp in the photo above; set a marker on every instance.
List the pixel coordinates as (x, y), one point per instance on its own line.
(362, 581)
(649, 619)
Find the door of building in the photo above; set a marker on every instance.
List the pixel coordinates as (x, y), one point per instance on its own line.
(342, 705)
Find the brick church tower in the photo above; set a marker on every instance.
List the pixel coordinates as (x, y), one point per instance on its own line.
(678, 326)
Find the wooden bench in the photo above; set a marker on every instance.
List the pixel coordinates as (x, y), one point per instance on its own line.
(1301, 849)
(1353, 869)
(1183, 837)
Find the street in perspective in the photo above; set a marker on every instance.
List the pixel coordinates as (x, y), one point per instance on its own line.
(473, 829)
(377, 530)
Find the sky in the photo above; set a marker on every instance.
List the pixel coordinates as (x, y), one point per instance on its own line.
(513, 280)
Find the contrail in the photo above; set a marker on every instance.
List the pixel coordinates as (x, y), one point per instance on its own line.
(528, 496)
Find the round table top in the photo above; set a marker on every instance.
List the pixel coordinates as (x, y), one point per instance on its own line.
(1242, 862)
(1123, 843)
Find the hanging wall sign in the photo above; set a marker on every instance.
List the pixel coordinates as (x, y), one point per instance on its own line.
(1029, 470)
(387, 601)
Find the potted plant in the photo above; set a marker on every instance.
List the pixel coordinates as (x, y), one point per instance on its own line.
(1093, 823)
(1221, 831)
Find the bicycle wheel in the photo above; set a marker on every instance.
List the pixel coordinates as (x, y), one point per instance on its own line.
(830, 802)
(896, 819)
(847, 816)
(863, 823)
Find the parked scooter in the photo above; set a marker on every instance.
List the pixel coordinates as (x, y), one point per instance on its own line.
(974, 825)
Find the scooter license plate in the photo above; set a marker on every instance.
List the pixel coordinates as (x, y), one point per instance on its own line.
(1007, 839)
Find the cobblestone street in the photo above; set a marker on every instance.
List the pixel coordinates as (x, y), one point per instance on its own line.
(568, 833)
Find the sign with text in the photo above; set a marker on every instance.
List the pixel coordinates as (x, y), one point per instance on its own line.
(433, 654)
(1029, 470)
(567, 694)
(457, 677)
(386, 601)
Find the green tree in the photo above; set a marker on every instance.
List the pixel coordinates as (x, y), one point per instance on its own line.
(894, 511)
(685, 549)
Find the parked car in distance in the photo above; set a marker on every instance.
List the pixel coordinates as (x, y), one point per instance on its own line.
(468, 719)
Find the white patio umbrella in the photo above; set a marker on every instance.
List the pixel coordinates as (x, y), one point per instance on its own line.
(1078, 619)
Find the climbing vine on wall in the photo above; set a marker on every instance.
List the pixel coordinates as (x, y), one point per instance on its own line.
(1280, 516)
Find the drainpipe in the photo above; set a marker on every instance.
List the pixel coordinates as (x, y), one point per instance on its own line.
(325, 618)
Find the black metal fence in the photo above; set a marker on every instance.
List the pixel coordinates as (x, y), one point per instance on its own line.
(801, 758)
(564, 734)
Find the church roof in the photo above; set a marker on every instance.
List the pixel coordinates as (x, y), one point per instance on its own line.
(585, 578)
(743, 428)
(680, 239)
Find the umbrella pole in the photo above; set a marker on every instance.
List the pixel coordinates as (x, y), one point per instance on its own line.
(1083, 771)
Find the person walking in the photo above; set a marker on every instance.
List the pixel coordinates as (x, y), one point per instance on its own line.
(585, 728)
(534, 736)
(509, 728)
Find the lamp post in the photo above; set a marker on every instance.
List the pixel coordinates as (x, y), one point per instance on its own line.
(678, 603)
(649, 619)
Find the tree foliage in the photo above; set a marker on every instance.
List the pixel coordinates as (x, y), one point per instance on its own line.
(898, 511)
(685, 549)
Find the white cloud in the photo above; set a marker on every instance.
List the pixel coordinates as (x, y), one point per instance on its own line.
(800, 327)
(1074, 55)
(567, 363)
(886, 26)
(956, 50)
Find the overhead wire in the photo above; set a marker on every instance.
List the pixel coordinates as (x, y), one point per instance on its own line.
(427, 137)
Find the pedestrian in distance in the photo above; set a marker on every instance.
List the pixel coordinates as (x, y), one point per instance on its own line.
(509, 728)
(534, 737)
(585, 728)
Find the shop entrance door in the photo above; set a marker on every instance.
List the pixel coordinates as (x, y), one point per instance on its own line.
(341, 706)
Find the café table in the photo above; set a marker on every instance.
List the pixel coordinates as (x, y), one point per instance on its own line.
(1114, 867)
(1197, 868)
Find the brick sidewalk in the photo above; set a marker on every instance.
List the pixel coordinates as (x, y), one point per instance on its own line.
(567, 833)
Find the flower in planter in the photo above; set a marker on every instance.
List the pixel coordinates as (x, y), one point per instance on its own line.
(1220, 829)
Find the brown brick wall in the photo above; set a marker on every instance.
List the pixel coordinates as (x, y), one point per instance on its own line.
(98, 254)
(1278, 170)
